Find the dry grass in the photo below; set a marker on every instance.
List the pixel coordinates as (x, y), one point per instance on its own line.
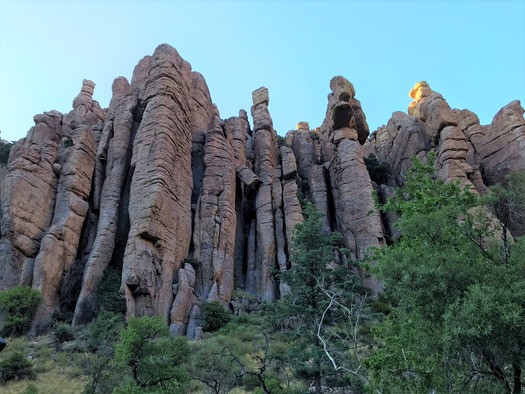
(56, 381)
(56, 373)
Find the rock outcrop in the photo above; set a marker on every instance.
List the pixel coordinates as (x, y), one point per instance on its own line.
(476, 156)
(501, 148)
(351, 187)
(190, 208)
(28, 198)
(265, 149)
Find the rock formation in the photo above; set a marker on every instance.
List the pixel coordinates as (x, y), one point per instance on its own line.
(265, 168)
(191, 208)
(474, 155)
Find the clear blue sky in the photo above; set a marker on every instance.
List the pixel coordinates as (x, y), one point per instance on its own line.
(473, 52)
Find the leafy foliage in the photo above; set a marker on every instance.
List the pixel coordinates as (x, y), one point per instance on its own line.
(214, 316)
(104, 331)
(320, 314)
(14, 367)
(242, 354)
(281, 141)
(108, 293)
(457, 317)
(18, 306)
(508, 203)
(152, 356)
(63, 332)
(30, 389)
(314, 135)
(213, 364)
(102, 334)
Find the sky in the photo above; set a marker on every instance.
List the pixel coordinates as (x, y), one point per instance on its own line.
(472, 52)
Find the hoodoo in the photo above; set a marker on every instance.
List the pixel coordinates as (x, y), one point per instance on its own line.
(188, 207)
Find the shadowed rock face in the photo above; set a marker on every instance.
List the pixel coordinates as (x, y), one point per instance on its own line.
(189, 207)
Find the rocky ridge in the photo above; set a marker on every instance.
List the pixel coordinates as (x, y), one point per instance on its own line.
(190, 207)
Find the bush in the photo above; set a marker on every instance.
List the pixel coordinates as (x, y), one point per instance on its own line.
(314, 135)
(18, 305)
(104, 332)
(281, 141)
(30, 389)
(108, 294)
(153, 358)
(15, 367)
(63, 332)
(215, 316)
(102, 335)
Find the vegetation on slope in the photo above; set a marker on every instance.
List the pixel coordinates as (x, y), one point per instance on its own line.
(451, 319)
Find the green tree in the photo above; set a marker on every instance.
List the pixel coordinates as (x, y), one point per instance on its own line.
(108, 293)
(17, 306)
(322, 314)
(214, 316)
(102, 335)
(242, 353)
(507, 201)
(457, 322)
(154, 359)
(213, 363)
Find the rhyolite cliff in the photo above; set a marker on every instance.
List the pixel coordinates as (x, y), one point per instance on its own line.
(190, 207)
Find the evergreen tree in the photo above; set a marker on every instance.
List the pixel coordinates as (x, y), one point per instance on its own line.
(320, 315)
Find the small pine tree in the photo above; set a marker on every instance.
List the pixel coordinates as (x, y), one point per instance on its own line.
(318, 303)
(154, 359)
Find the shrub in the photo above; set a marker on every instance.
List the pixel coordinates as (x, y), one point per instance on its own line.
(103, 333)
(15, 367)
(281, 141)
(63, 332)
(18, 305)
(154, 359)
(314, 135)
(108, 294)
(30, 389)
(215, 316)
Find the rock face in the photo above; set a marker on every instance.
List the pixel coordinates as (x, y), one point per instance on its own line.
(45, 200)
(113, 151)
(476, 156)
(501, 148)
(355, 214)
(265, 167)
(28, 198)
(215, 217)
(189, 208)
